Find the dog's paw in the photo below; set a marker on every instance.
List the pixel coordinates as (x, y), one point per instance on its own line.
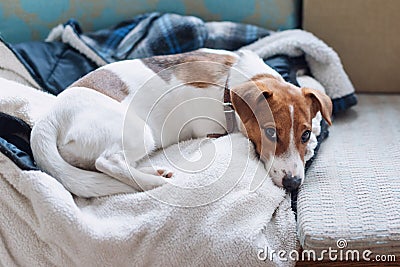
(157, 171)
(165, 173)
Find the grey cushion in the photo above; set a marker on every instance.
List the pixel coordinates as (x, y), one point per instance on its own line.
(352, 191)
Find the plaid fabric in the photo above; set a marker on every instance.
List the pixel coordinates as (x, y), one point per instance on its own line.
(231, 36)
(160, 34)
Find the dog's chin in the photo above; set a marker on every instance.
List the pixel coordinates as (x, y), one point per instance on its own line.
(279, 171)
(277, 181)
(268, 166)
(277, 177)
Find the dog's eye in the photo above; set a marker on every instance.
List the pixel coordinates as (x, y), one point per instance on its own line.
(271, 134)
(306, 136)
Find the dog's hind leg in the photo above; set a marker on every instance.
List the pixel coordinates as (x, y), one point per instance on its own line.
(119, 160)
(156, 171)
(115, 165)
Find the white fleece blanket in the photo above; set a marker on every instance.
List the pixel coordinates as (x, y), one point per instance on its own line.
(324, 62)
(214, 220)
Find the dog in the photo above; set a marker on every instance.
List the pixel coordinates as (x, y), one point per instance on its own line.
(130, 108)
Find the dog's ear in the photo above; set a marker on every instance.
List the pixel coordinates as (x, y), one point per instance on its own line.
(243, 100)
(246, 97)
(320, 102)
(262, 85)
(264, 95)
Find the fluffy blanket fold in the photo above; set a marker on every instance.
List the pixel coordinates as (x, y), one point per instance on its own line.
(324, 63)
(42, 224)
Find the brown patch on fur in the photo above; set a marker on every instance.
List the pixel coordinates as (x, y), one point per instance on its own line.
(262, 76)
(105, 82)
(205, 68)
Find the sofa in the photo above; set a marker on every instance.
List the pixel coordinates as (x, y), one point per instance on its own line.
(349, 202)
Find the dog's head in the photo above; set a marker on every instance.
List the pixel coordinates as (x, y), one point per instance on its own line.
(277, 117)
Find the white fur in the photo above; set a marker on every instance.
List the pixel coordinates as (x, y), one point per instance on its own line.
(248, 66)
(218, 52)
(85, 127)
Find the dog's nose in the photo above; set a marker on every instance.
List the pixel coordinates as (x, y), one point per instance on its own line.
(291, 183)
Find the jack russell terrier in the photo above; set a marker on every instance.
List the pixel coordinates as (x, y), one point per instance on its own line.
(137, 106)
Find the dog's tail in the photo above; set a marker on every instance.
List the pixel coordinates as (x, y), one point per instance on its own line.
(80, 182)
